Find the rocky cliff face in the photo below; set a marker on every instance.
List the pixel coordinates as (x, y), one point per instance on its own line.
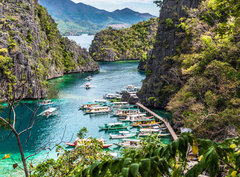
(193, 71)
(124, 44)
(33, 51)
(163, 79)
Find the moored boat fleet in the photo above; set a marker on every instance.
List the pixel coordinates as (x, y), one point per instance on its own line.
(131, 124)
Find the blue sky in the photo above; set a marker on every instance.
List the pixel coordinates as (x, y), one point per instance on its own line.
(111, 5)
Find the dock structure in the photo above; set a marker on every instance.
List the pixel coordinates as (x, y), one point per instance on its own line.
(169, 127)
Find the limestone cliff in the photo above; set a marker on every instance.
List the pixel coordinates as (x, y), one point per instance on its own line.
(162, 78)
(194, 68)
(124, 44)
(33, 51)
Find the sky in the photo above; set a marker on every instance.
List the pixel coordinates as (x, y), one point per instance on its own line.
(111, 5)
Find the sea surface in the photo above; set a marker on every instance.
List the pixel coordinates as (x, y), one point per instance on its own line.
(68, 93)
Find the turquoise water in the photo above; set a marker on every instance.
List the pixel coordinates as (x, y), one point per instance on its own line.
(68, 96)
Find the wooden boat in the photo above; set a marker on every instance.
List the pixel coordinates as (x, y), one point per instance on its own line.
(121, 105)
(88, 86)
(99, 110)
(89, 78)
(48, 113)
(96, 103)
(110, 96)
(88, 106)
(131, 88)
(102, 102)
(145, 123)
(164, 134)
(46, 103)
(80, 142)
(148, 132)
(126, 112)
(122, 135)
(129, 143)
(135, 118)
(113, 126)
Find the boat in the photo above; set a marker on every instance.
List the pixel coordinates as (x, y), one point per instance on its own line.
(99, 110)
(46, 103)
(102, 102)
(122, 135)
(145, 123)
(121, 105)
(149, 132)
(89, 105)
(96, 103)
(126, 112)
(113, 126)
(164, 134)
(110, 96)
(48, 113)
(88, 86)
(130, 88)
(129, 143)
(80, 142)
(135, 118)
(89, 78)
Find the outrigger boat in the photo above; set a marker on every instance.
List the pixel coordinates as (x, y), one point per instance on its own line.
(135, 117)
(131, 88)
(80, 142)
(96, 103)
(110, 96)
(126, 112)
(121, 105)
(46, 103)
(113, 126)
(89, 78)
(122, 135)
(88, 86)
(99, 110)
(48, 113)
(129, 143)
(148, 132)
(145, 123)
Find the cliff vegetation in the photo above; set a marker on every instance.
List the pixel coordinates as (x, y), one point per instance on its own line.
(32, 50)
(199, 81)
(124, 44)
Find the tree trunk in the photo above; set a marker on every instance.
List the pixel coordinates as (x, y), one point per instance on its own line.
(22, 155)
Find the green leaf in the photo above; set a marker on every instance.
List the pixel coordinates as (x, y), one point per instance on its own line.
(127, 162)
(125, 172)
(134, 169)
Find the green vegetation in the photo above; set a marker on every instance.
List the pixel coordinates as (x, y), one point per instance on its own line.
(153, 160)
(122, 44)
(35, 43)
(208, 101)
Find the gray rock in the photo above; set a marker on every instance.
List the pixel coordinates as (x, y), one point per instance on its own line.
(36, 56)
(163, 77)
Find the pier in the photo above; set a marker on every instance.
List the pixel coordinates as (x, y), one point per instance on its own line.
(169, 127)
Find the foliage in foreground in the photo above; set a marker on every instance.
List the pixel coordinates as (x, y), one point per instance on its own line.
(152, 160)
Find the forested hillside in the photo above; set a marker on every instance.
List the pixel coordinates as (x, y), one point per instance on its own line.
(124, 44)
(79, 18)
(197, 78)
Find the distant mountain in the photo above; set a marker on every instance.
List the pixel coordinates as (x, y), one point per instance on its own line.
(77, 18)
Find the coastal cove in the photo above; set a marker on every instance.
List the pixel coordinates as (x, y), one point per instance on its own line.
(68, 95)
